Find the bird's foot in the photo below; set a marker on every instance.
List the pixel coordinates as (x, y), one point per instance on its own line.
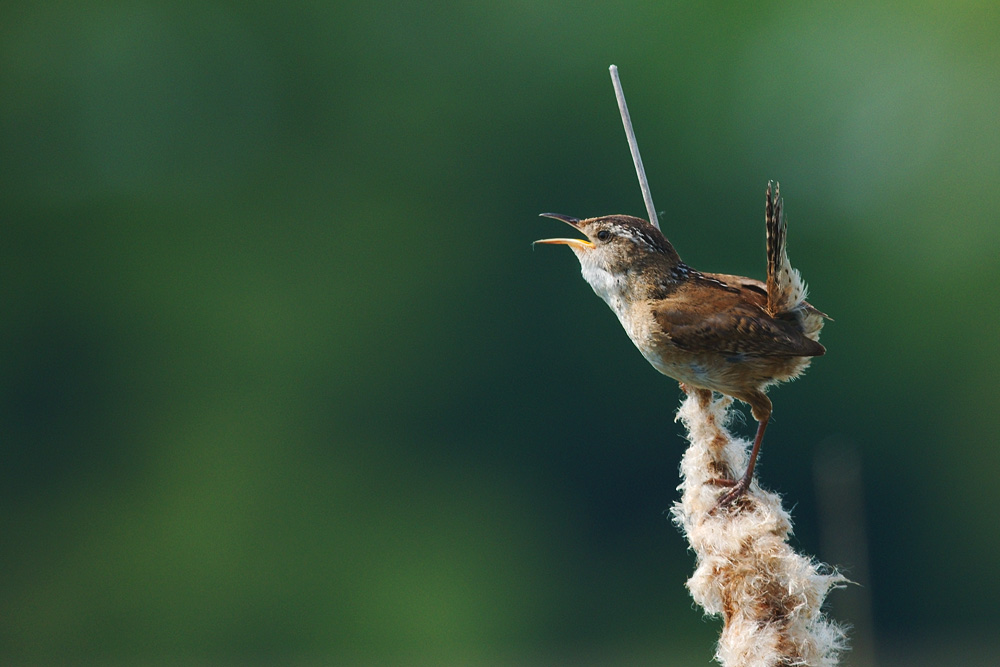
(738, 488)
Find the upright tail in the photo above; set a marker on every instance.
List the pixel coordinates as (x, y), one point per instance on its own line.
(786, 291)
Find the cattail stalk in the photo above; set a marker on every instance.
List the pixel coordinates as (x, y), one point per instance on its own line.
(768, 595)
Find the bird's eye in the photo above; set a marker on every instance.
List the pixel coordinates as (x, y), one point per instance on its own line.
(603, 235)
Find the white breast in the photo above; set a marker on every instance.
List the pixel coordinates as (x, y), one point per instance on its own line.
(613, 289)
(609, 287)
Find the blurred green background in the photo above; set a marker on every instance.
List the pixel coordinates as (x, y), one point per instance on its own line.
(283, 380)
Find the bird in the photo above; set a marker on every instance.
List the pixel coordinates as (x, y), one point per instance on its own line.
(709, 331)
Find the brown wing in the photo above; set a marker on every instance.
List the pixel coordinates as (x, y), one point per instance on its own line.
(738, 324)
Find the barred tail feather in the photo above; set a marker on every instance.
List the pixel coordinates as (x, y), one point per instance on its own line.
(786, 290)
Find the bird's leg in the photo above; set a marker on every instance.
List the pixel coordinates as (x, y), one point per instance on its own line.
(740, 487)
(760, 407)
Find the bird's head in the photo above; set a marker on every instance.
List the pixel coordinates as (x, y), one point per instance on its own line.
(617, 250)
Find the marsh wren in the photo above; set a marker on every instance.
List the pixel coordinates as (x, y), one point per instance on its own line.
(709, 331)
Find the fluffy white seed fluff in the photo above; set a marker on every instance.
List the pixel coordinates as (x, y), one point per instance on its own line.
(768, 595)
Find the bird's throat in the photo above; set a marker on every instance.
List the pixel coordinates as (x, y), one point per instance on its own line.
(613, 288)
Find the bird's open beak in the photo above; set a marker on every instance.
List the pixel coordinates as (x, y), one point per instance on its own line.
(573, 222)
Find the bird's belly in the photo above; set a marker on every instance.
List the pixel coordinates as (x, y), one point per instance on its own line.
(707, 370)
(664, 356)
(718, 372)
(686, 368)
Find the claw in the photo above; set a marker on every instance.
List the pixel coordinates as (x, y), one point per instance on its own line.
(739, 490)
